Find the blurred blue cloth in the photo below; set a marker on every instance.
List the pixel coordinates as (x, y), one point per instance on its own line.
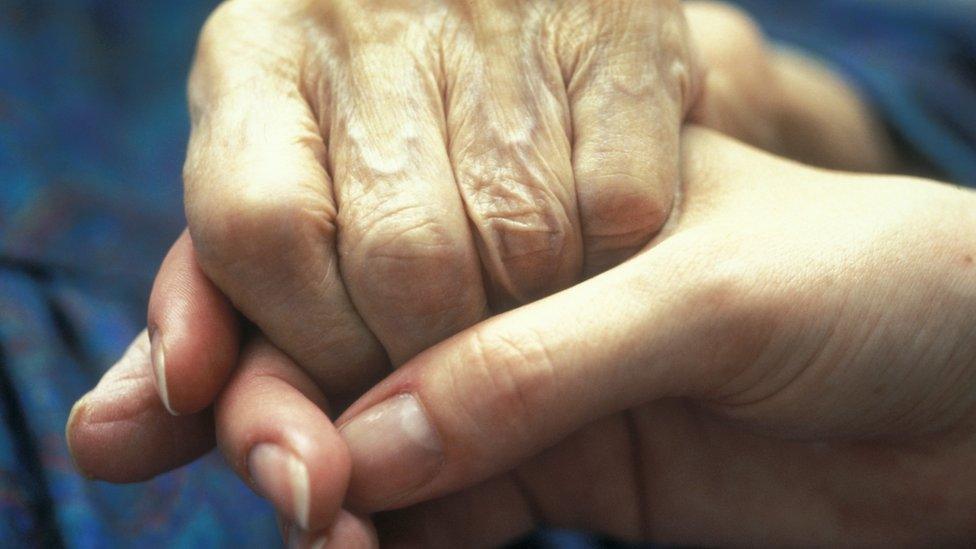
(92, 135)
(915, 61)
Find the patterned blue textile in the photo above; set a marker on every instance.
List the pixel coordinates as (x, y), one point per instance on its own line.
(92, 134)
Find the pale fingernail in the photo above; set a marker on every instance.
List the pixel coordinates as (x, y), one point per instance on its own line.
(72, 417)
(283, 478)
(159, 369)
(394, 449)
(318, 543)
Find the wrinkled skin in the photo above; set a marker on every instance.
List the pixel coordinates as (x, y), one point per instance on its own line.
(792, 363)
(757, 94)
(702, 460)
(366, 178)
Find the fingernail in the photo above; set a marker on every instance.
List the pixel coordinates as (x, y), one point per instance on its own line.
(72, 417)
(394, 449)
(296, 538)
(281, 477)
(159, 369)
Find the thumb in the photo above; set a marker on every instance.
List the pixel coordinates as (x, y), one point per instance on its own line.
(482, 401)
(120, 432)
(671, 322)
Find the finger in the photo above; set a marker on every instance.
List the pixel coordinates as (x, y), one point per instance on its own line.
(273, 431)
(408, 259)
(259, 201)
(348, 531)
(743, 94)
(515, 384)
(629, 90)
(194, 332)
(780, 100)
(586, 483)
(667, 323)
(120, 431)
(509, 139)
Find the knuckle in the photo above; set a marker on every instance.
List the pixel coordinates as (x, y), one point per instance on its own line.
(410, 245)
(725, 288)
(401, 233)
(240, 42)
(217, 28)
(718, 295)
(223, 23)
(740, 317)
(621, 210)
(218, 21)
(735, 17)
(514, 207)
(530, 232)
(511, 375)
(724, 19)
(259, 229)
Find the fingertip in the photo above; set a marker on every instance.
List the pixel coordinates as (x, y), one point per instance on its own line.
(194, 333)
(120, 432)
(123, 435)
(272, 429)
(348, 531)
(78, 411)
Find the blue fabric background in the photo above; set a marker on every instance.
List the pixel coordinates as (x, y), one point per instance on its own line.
(92, 135)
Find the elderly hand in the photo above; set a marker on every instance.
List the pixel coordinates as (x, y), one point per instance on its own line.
(792, 362)
(365, 178)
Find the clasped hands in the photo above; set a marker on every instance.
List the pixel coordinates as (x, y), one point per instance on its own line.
(785, 357)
